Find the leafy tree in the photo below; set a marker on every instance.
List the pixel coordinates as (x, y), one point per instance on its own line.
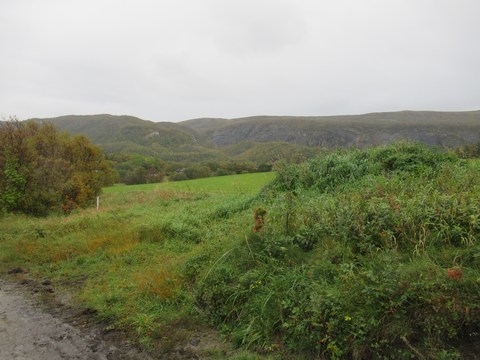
(14, 182)
(197, 172)
(42, 169)
(137, 169)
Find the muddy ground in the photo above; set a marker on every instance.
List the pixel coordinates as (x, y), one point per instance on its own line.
(38, 322)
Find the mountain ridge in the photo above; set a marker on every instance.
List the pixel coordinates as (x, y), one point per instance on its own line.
(216, 136)
(431, 127)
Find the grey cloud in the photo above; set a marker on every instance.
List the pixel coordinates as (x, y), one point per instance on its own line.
(178, 59)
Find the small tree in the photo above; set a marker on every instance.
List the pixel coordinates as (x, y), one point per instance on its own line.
(40, 168)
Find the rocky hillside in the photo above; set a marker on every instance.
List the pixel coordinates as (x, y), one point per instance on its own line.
(448, 129)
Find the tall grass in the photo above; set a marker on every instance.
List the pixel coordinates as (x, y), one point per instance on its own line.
(359, 259)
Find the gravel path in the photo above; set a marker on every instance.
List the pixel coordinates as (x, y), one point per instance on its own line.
(28, 332)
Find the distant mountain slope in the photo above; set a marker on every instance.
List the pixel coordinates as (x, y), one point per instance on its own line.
(107, 129)
(205, 125)
(129, 134)
(433, 128)
(270, 152)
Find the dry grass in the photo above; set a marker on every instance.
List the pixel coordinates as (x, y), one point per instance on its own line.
(162, 283)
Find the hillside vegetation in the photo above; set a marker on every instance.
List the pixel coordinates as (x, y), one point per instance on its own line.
(131, 135)
(253, 139)
(447, 129)
(356, 254)
(110, 129)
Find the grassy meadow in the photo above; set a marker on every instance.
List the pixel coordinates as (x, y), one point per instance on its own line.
(233, 184)
(361, 254)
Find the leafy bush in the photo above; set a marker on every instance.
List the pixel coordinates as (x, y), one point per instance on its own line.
(41, 169)
(329, 172)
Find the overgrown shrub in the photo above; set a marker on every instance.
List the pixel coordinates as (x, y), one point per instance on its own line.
(357, 259)
(41, 168)
(329, 172)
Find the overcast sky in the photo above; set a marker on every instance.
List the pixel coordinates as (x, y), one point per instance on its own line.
(172, 60)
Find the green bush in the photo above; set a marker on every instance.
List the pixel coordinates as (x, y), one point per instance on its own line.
(42, 170)
(355, 259)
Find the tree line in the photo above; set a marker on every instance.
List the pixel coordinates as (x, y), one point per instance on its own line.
(139, 169)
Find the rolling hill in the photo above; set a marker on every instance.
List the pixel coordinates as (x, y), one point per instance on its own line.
(129, 134)
(107, 129)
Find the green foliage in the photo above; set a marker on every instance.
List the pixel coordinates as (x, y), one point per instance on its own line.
(137, 169)
(212, 168)
(14, 182)
(271, 152)
(141, 169)
(360, 270)
(326, 173)
(42, 170)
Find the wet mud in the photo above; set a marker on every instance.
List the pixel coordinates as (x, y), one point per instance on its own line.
(40, 322)
(34, 325)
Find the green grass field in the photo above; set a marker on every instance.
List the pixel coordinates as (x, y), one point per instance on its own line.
(240, 184)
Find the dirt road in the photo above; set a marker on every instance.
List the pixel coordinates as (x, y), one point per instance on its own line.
(29, 332)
